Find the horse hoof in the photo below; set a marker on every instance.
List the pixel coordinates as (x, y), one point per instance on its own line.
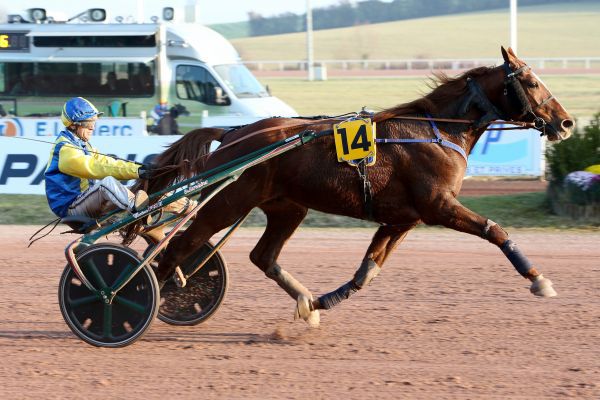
(542, 287)
(302, 307)
(312, 317)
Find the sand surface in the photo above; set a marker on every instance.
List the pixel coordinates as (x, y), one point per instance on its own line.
(448, 317)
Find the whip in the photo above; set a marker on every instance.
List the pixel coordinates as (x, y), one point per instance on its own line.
(74, 147)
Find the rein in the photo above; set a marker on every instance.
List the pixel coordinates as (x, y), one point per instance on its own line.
(520, 124)
(166, 169)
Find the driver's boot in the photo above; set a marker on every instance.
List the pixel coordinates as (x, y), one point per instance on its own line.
(139, 202)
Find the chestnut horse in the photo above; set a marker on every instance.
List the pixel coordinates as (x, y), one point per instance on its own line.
(411, 183)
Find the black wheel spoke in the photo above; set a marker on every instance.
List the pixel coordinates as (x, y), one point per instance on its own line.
(84, 301)
(96, 273)
(126, 271)
(107, 321)
(129, 304)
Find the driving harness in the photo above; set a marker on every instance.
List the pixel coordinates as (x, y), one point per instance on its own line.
(475, 97)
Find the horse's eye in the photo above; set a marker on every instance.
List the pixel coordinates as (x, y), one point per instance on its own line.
(533, 84)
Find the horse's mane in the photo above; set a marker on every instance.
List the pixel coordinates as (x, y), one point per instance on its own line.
(445, 90)
(182, 159)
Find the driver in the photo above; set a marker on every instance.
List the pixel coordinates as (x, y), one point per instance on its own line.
(80, 181)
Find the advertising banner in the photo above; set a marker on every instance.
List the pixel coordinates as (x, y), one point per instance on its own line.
(30, 127)
(507, 153)
(23, 162)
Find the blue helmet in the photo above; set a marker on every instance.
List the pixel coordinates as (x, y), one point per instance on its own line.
(76, 110)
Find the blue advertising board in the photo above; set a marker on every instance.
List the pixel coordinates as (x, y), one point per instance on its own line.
(27, 126)
(507, 153)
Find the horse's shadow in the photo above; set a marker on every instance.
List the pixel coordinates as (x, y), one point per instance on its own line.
(183, 338)
(35, 334)
(216, 338)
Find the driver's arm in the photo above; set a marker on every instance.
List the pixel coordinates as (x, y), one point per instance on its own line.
(73, 161)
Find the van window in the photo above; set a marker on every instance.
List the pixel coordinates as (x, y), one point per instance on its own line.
(95, 41)
(196, 83)
(2, 79)
(241, 81)
(77, 79)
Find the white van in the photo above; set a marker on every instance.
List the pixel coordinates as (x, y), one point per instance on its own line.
(126, 70)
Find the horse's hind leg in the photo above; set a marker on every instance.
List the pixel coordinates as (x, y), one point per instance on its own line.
(454, 215)
(283, 217)
(384, 241)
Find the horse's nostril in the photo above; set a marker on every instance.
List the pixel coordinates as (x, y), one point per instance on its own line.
(567, 124)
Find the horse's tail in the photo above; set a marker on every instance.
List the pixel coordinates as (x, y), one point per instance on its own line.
(183, 159)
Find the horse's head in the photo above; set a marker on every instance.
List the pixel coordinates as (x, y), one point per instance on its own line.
(526, 98)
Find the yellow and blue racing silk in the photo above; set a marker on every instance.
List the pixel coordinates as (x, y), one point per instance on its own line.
(73, 167)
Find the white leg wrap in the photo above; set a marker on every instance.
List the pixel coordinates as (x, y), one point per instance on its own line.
(287, 282)
(366, 273)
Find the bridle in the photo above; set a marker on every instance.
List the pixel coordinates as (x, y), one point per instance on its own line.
(514, 89)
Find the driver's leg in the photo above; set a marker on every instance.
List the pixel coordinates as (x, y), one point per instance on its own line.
(106, 195)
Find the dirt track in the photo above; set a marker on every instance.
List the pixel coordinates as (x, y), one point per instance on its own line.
(447, 318)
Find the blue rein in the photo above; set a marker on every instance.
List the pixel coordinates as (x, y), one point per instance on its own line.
(438, 139)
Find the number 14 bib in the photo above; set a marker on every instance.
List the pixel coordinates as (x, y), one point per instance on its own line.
(355, 140)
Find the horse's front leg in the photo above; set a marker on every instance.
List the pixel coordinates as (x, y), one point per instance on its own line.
(454, 215)
(283, 217)
(384, 241)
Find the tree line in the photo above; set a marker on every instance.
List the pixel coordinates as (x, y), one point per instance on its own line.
(347, 14)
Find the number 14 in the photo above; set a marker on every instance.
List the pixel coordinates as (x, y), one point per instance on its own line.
(360, 140)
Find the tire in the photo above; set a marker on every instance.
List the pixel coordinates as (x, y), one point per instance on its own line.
(132, 310)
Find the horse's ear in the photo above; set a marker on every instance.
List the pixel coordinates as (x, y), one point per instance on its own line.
(511, 52)
(505, 55)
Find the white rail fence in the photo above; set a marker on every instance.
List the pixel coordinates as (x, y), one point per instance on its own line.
(421, 64)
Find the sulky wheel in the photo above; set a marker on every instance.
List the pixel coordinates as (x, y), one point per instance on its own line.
(120, 322)
(201, 296)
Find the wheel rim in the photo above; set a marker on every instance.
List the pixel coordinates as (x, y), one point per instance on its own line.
(132, 309)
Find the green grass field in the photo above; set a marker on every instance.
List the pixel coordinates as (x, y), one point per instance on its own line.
(558, 30)
(527, 210)
(580, 94)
